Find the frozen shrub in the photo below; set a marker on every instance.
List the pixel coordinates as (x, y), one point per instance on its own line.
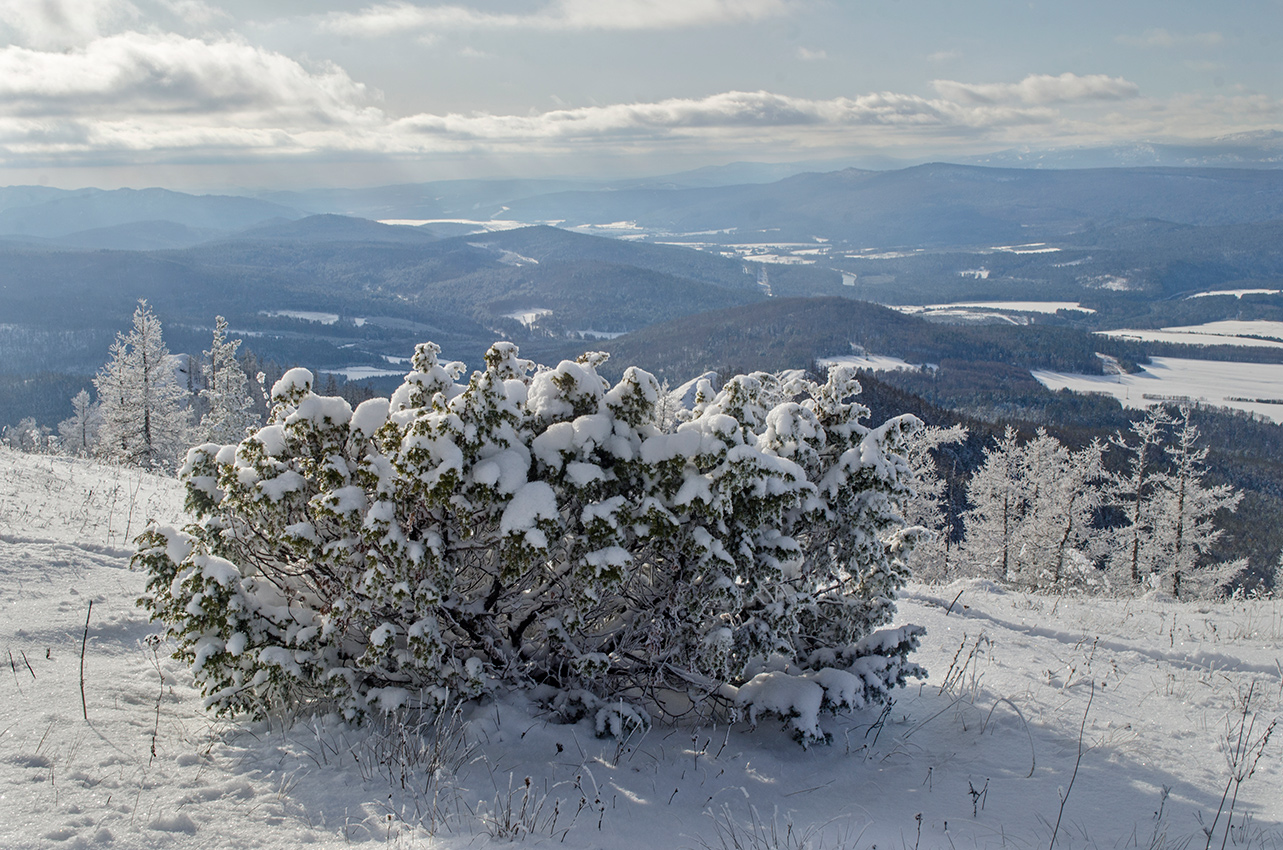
(540, 530)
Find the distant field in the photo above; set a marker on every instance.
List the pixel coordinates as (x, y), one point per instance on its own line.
(1255, 387)
(872, 362)
(1230, 332)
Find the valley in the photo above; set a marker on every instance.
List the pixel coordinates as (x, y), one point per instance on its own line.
(1083, 288)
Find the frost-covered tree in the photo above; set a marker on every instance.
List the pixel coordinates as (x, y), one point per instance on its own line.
(1170, 511)
(229, 410)
(1184, 527)
(1074, 496)
(78, 433)
(929, 560)
(1033, 506)
(543, 531)
(27, 436)
(1136, 554)
(998, 500)
(141, 404)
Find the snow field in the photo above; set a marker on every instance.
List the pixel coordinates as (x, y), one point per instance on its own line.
(1051, 307)
(1256, 332)
(1254, 387)
(872, 362)
(984, 750)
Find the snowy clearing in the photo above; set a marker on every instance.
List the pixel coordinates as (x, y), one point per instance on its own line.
(356, 373)
(874, 363)
(1030, 248)
(984, 751)
(1237, 293)
(528, 317)
(487, 226)
(1255, 387)
(305, 315)
(1051, 307)
(510, 258)
(591, 334)
(1227, 332)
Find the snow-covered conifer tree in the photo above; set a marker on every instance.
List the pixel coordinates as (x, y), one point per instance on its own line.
(141, 404)
(229, 409)
(79, 432)
(1185, 507)
(543, 530)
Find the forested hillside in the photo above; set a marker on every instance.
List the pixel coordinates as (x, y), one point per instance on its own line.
(979, 375)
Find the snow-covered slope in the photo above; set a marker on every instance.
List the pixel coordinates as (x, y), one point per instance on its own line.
(984, 751)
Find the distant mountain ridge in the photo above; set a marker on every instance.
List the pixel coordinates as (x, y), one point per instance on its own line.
(50, 213)
(1258, 149)
(936, 204)
(926, 205)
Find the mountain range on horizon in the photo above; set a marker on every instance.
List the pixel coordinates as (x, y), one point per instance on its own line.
(1006, 195)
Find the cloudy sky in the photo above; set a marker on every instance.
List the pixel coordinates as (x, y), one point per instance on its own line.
(205, 94)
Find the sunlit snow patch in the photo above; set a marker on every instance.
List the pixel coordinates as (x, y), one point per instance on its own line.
(357, 373)
(874, 363)
(509, 258)
(591, 334)
(305, 315)
(1237, 293)
(488, 226)
(1254, 387)
(528, 317)
(1050, 307)
(1030, 248)
(1258, 333)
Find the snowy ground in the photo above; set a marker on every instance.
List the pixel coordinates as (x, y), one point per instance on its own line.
(984, 751)
(1237, 293)
(873, 362)
(998, 306)
(1256, 332)
(1255, 387)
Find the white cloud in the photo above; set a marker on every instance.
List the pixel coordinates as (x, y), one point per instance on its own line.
(1159, 37)
(1040, 89)
(193, 12)
(730, 112)
(150, 98)
(164, 73)
(808, 55)
(389, 18)
(61, 24)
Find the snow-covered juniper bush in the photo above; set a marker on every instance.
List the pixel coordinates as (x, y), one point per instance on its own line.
(536, 528)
